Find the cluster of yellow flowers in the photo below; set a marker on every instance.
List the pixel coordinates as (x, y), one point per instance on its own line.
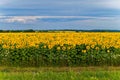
(21, 40)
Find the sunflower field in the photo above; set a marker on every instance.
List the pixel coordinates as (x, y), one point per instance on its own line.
(60, 49)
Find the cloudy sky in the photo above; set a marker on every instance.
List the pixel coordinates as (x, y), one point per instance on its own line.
(59, 14)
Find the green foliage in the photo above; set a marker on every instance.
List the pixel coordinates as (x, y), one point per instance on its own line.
(58, 55)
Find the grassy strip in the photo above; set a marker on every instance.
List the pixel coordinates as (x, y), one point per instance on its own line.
(60, 73)
(58, 69)
(71, 75)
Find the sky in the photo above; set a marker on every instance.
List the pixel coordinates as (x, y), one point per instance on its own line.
(59, 14)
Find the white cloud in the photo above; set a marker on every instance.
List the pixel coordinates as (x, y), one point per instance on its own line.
(29, 19)
(88, 22)
(113, 4)
(21, 19)
(61, 3)
(4, 2)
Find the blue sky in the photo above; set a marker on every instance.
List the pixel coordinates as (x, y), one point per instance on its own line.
(59, 14)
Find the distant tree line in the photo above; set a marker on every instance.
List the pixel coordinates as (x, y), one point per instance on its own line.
(31, 30)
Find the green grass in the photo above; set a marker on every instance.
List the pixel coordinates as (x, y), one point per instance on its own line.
(84, 75)
(50, 73)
